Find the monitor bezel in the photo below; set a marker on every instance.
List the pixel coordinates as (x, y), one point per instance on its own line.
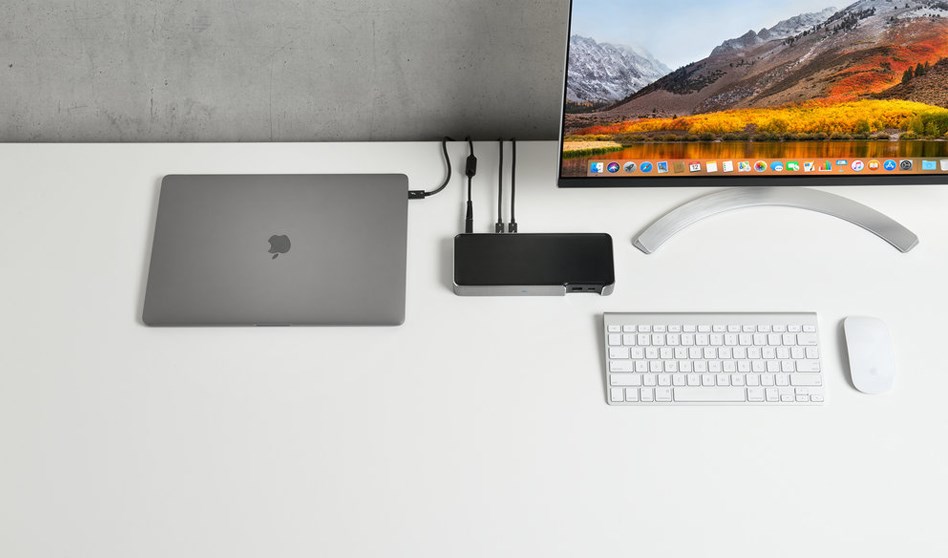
(703, 181)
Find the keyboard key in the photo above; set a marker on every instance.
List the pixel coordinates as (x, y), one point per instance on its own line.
(808, 366)
(628, 339)
(615, 339)
(618, 352)
(614, 329)
(628, 328)
(621, 366)
(631, 394)
(647, 395)
(617, 395)
(771, 394)
(807, 339)
(755, 394)
(663, 394)
(806, 379)
(702, 395)
(625, 380)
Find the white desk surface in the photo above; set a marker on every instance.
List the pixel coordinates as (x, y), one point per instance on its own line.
(480, 427)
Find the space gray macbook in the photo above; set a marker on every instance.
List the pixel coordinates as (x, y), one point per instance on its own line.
(275, 250)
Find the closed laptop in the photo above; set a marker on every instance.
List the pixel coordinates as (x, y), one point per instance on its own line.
(279, 250)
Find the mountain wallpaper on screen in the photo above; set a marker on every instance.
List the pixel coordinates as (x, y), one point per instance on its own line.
(601, 73)
(874, 69)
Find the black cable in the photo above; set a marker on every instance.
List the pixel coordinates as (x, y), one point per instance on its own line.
(421, 194)
(470, 171)
(499, 226)
(512, 227)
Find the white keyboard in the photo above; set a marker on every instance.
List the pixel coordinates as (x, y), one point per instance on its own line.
(713, 359)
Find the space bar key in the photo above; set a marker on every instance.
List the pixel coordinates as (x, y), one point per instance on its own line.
(709, 395)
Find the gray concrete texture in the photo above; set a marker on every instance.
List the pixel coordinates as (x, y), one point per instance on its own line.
(279, 70)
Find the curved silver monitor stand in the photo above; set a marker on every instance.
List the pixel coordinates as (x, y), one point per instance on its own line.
(690, 213)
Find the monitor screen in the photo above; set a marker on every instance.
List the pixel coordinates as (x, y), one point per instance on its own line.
(755, 92)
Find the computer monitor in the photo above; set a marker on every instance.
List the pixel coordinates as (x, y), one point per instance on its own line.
(755, 93)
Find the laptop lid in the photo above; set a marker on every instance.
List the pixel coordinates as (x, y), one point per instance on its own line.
(279, 250)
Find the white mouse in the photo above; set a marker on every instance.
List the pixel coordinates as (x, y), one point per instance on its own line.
(871, 358)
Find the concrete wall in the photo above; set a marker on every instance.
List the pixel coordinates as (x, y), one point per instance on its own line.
(279, 70)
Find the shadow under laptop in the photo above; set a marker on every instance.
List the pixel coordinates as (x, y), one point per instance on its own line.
(149, 237)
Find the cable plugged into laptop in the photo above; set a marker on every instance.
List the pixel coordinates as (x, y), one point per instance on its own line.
(470, 171)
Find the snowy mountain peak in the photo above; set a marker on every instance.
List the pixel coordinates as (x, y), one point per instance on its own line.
(603, 73)
(785, 29)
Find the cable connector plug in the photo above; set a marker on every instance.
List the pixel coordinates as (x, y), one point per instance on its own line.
(512, 227)
(469, 219)
(417, 194)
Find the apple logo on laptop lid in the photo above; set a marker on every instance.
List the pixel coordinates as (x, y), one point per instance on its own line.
(279, 244)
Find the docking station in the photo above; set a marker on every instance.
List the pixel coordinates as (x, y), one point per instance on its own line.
(533, 264)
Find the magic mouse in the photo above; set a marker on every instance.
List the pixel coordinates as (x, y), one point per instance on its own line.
(871, 358)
